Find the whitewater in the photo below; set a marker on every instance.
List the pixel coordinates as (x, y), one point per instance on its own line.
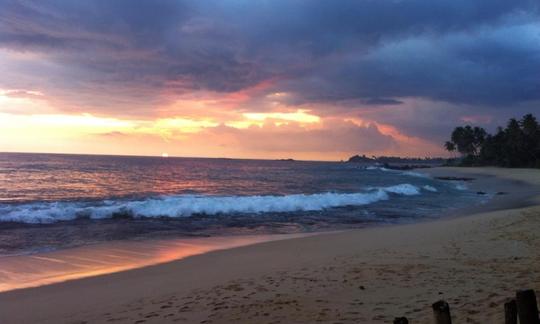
(188, 205)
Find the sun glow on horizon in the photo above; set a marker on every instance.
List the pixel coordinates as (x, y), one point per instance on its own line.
(188, 128)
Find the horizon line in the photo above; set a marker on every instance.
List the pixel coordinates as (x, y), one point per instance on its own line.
(217, 158)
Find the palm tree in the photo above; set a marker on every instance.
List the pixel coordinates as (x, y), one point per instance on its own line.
(450, 147)
(516, 145)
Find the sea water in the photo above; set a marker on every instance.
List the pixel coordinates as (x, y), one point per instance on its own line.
(50, 200)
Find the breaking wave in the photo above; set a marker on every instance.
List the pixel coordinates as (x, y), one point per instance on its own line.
(430, 188)
(406, 173)
(188, 205)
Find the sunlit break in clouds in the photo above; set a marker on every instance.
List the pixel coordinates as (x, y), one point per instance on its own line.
(262, 79)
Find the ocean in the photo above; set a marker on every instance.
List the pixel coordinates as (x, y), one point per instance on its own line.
(50, 201)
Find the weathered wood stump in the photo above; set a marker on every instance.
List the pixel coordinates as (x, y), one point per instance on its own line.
(401, 320)
(510, 312)
(526, 307)
(441, 311)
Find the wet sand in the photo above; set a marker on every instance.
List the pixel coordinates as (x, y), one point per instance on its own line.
(360, 276)
(32, 270)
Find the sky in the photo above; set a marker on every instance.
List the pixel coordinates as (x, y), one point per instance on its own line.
(318, 80)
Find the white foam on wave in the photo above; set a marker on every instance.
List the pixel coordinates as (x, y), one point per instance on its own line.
(403, 189)
(460, 185)
(429, 188)
(406, 173)
(416, 174)
(372, 168)
(188, 205)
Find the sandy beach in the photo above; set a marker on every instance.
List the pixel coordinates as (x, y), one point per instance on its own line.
(473, 260)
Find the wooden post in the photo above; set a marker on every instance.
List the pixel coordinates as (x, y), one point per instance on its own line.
(441, 311)
(526, 307)
(401, 320)
(510, 312)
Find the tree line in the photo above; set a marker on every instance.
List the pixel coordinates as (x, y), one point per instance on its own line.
(516, 145)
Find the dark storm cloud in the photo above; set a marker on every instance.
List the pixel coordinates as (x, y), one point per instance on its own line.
(484, 67)
(125, 53)
(109, 47)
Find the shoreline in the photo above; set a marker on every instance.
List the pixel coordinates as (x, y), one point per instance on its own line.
(353, 254)
(520, 191)
(102, 258)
